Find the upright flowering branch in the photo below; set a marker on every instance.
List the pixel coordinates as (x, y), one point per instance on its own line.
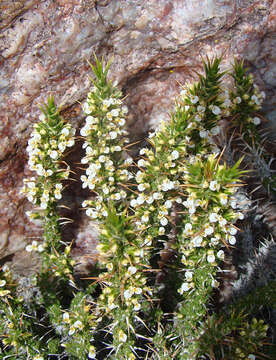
(246, 100)
(49, 140)
(203, 101)
(207, 228)
(105, 140)
(121, 251)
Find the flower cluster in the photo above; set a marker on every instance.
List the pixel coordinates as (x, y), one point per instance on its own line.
(49, 140)
(105, 140)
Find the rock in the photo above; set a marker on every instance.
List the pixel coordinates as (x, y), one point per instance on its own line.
(155, 46)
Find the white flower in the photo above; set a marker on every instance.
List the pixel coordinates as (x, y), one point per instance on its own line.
(161, 230)
(214, 186)
(222, 221)
(90, 120)
(121, 121)
(215, 109)
(184, 287)
(255, 99)
(116, 196)
(220, 254)
(189, 275)
(200, 108)
(208, 230)
(5, 268)
(215, 283)
(53, 154)
(223, 199)
(213, 217)
(197, 241)
(240, 215)
(251, 357)
(109, 266)
(48, 172)
(113, 135)
(128, 293)
(131, 270)
(57, 191)
(157, 196)
(92, 352)
(91, 213)
(65, 131)
(164, 221)
(71, 330)
(84, 131)
(133, 203)
(188, 229)
(150, 199)
(140, 199)
(183, 92)
(168, 204)
(122, 336)
(32, 247)
(141, 163)
(78, 324)
(194, 99)
(141, 187)
(43, 205)
(211, 258)
(214, 241)
(41, 247)
(137, 306)
(66, 317)
(42, 117)
(237, 100)
(167, 185)
(102, 158)
(256, 121)
(175, 155)
(227, 103)
(232, 240)
(115, 112)
(2, 283)
(145, 218)
(233, 231)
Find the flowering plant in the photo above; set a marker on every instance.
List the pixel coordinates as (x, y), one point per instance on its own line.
(167, 224)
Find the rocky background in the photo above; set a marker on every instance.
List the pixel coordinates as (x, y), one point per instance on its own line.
(155, 45)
